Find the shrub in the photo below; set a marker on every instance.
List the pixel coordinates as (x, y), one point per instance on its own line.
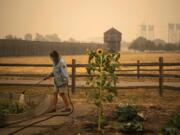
(172, 126)
(129, 119)
(8, 107)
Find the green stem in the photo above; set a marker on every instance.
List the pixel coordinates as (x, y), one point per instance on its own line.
(100, 107)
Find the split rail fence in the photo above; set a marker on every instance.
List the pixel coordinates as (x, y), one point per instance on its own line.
(138, 67)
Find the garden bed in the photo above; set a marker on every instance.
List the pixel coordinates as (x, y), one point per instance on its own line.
(11, 111)
(157, 110)
(154, 117)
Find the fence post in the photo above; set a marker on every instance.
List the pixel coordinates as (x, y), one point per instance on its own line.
(10, 95)
(73, 83)
(161, 76)
(138, 69)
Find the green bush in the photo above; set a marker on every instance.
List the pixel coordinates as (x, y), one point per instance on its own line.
(172, 126)
(8, 107)
(130, 121)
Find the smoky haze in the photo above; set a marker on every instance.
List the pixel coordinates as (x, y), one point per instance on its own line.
(86, 20)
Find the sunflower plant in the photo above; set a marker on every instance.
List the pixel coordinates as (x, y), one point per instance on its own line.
(101, 69)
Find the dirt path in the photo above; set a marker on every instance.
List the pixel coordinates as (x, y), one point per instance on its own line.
(83, 83)
(155, 108)
(51, 124)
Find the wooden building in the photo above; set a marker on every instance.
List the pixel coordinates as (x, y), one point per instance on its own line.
(112, 40)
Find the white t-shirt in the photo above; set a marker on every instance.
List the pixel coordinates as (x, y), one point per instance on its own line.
(60, 73)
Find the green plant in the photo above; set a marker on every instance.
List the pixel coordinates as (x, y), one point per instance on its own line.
(8, 107)
(101, 69)
(172, 126)
(129, 119)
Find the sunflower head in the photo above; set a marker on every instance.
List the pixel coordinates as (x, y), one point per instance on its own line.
(99, 51)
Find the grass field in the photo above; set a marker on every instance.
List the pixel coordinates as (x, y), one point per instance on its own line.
(125, 58)
(80, 59)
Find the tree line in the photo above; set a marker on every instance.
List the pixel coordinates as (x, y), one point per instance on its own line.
(39, 37)
(142, 44)
(14, 47)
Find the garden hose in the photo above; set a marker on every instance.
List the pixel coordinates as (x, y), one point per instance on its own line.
(52, 116)
(33, 86)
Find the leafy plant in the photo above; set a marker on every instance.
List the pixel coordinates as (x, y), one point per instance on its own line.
(8, 107)
(172, 127)
(129, 119)
(101, 69)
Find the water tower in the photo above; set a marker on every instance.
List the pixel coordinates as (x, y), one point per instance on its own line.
(112, 40)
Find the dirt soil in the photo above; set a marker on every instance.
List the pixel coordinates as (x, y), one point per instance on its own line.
(156, 111)
(155, 117)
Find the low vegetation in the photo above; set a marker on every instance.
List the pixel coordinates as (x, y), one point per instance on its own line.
(172, 126)
(128, 120)
(8, 107)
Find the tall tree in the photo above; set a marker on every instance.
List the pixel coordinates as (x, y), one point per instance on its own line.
(39, 37)
(9, 36)
(28, 36)
(52, 38)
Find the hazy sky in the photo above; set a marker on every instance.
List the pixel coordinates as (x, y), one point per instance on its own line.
(86, 19)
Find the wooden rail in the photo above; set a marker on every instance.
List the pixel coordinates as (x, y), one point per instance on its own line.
(84, 65)
(138, 69)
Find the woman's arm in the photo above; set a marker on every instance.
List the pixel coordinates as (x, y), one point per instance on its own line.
(49, 76)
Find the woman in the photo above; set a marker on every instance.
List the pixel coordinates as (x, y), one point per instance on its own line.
(60, 80)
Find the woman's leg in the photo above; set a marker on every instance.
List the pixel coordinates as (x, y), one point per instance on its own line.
(55, 100)
(65, 100)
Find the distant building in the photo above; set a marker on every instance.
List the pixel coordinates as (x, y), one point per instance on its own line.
(112, 39)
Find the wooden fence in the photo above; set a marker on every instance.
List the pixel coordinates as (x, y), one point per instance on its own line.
(137, 68)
